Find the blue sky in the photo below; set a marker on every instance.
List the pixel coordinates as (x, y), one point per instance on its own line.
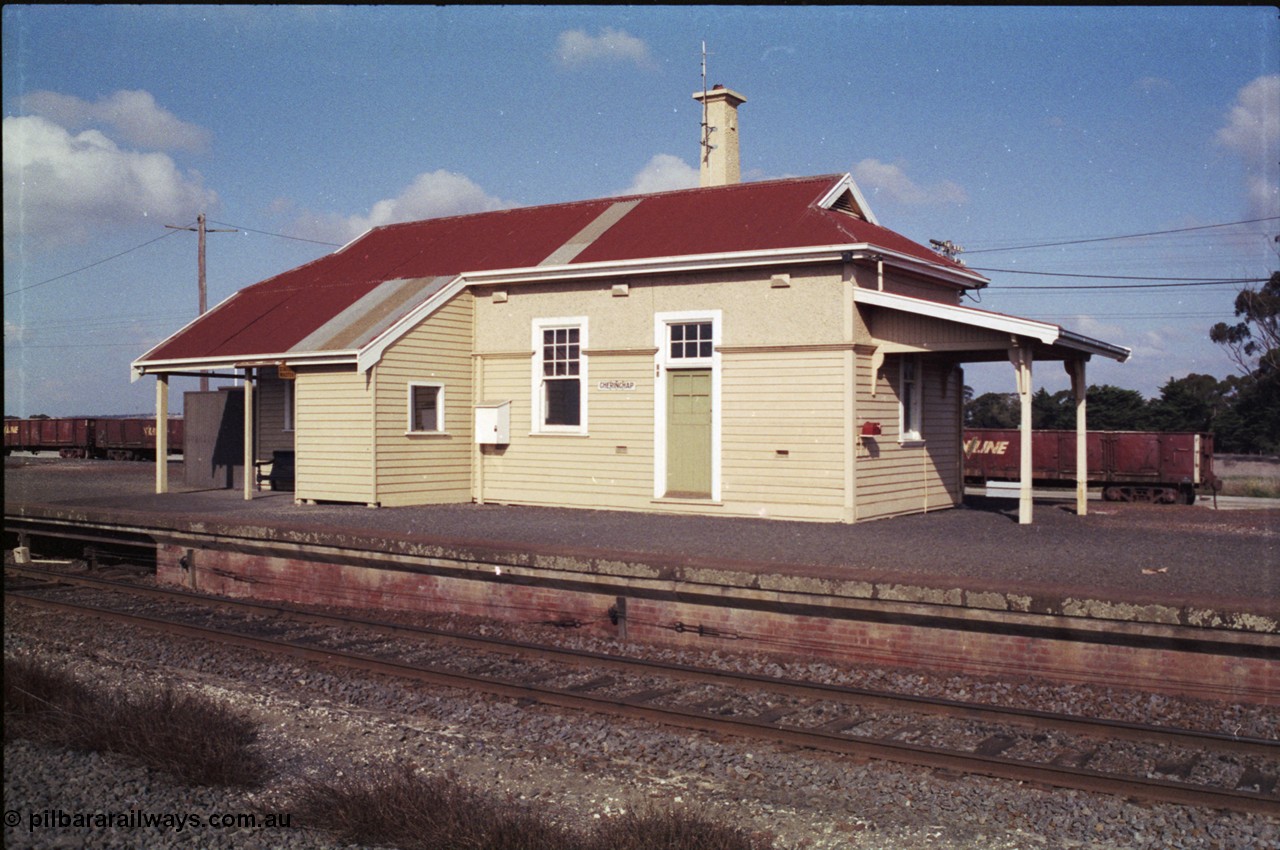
(996, 128)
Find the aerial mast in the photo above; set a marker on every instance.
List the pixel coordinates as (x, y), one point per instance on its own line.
(201, 230)
(706, 127)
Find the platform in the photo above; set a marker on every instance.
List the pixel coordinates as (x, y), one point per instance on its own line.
(1158, 563)
(1178, 599)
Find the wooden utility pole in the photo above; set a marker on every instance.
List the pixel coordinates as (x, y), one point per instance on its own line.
(201, 230)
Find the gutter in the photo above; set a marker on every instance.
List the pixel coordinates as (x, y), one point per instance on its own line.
(140, 368)
(703, 262)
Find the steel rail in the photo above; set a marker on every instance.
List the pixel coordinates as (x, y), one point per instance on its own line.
(634, 708)
(1100, 728)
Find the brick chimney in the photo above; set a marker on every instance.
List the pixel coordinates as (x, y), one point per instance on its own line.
(719, 154)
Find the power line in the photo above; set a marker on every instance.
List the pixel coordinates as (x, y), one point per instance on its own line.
(280, 235)
(1165, 281)
(157, 239)
(1126, 236)
(91, 265)
(1117, 276)
(1233, 282)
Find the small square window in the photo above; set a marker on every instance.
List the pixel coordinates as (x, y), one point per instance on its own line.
(691, 341)
(426, 408)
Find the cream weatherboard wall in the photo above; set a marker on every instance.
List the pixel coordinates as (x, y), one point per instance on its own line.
(784, 432)
(426, 468)
(782, 374)
(610, 468)
(334, 435)
(896, 476)
(273, 398)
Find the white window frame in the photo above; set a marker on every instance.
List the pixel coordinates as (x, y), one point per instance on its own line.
(663, 363)
(538, 396)
(682, 361)
(411, 428)
(910, 407)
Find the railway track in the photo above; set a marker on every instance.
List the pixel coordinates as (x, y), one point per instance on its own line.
(1133, 760)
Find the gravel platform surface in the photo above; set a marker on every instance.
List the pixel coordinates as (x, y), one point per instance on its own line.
(1166, 554)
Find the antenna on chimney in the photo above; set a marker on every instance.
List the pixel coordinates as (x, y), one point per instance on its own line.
(948, 249)
(706, 128)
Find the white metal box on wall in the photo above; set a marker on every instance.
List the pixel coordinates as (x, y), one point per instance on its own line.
(493, 423)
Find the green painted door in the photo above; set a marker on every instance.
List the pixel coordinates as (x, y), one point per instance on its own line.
(689, 433)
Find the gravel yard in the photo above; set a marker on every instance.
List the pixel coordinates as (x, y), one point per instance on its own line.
(575, 767)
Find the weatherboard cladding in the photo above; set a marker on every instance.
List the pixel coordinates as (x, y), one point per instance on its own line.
(392, 269)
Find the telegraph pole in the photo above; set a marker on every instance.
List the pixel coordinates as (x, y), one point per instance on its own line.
(201, 230)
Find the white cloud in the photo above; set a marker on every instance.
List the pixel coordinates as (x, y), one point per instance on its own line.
(663, 173)
(891, 181)
(1253, 131)
(59, 187)
(433, 194)
(1094, 327)
(136, 117)
(576, 47)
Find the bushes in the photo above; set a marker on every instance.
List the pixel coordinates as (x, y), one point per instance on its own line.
(189, 736)
(667, 829)
(395, 806)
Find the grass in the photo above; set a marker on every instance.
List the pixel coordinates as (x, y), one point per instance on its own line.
(395, 806)
(189, 736)
(1264, 488)
(1248, 475)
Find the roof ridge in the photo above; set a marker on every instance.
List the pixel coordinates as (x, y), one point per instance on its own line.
(816, 178)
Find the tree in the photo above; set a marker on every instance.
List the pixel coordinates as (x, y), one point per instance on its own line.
(1254, 344)
(992, 410)
(1193, 403)
(1055, 412)
(1109, 409)
(1112, 408)
(1253, 423)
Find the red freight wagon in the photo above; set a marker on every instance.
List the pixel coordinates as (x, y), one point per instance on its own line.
(68, 437)
(1129, 465)
(134, 439)
(176, 433)
(117, 439)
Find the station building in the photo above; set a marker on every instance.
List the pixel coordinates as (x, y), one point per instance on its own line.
(763, 349)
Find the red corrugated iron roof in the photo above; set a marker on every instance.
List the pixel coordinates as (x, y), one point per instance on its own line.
(273, 316)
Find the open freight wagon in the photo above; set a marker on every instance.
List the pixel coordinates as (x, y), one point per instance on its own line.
(1129, 466)
(109, 438)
